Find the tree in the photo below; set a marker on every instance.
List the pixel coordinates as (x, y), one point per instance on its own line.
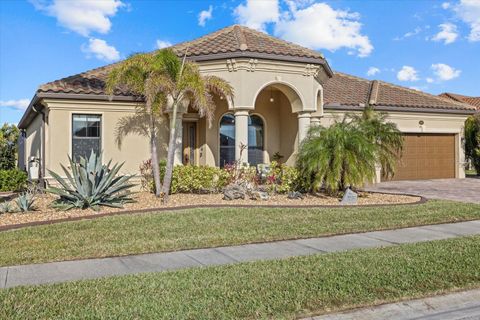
(385, 135)
(472, 141)
(346, 153)
(9, 134)
(184, 82)
(165, 81)
(336, 157)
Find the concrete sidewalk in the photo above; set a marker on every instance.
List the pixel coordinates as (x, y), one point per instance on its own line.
(455, 306)
(95, 268)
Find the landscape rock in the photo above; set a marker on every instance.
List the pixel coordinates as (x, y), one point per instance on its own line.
(234, 191)
(295, 195)
(259, 195)
(349, 197)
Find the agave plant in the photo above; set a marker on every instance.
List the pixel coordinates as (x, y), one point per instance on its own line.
(6, 207)
(25, 201)
(91, 184)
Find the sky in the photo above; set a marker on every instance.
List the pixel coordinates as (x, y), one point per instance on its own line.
(433, 46)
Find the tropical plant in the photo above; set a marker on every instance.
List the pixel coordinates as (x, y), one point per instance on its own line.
(336, 157)
(91, 184)
(472, 141)
(8, 146)
(385, 135)
(165, 82)
(6, 207)
(25, 201)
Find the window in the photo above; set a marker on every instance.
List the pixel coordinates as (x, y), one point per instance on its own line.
(255, 140)
(86, 133)
(227, 140)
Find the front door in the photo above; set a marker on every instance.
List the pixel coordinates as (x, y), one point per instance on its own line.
(189, 142)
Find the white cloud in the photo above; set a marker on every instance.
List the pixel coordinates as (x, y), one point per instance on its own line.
(81, 16)
(372, 71)
(101, 50)
(446, 5)
(416, 31)
(430, 80)
(256, 14)
(20, 104)
(469, 12)
(163, 44)
(407, 73)
(205, 15)
(448, 33)
(319, 26)
(444, 72)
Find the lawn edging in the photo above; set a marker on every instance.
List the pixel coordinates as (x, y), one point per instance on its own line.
(187, 207)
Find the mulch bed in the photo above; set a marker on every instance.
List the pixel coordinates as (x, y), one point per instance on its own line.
(147, 202)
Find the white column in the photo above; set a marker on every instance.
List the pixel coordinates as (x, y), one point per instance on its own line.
(241, 135)
(178, 158)
(315, 121)
(303, 125)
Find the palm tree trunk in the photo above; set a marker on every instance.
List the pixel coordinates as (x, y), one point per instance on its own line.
(154, 157)
(167, 180)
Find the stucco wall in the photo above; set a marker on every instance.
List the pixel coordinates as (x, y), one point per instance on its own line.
(33, 139)
(134, 148)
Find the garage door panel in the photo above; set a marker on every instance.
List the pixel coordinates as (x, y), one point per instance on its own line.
(427, 156)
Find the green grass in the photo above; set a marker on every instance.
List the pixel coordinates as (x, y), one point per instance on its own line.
(471, 172)
(174, 230)
(268, 289)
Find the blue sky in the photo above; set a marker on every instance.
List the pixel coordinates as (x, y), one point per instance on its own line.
(432, 46)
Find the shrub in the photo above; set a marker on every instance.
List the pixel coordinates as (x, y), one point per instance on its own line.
(472, 141)
(283, 178)
(6, 207)
(91, 184)
(196, 179)
(12, 180)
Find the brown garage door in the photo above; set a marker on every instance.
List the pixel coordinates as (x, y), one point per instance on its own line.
(427, 156)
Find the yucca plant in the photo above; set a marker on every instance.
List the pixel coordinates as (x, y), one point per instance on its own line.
(25, 201)
(91, 184)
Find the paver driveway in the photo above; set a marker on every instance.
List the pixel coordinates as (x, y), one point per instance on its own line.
(465, 190)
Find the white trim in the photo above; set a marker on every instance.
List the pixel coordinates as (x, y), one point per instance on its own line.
(217, 161)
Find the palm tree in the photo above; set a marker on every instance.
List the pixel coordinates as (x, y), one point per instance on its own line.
(385, 135)
(165, 81)
(143, 74)
(184, 82)
(336, 157)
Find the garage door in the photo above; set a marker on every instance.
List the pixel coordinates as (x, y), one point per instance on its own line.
(427, 156)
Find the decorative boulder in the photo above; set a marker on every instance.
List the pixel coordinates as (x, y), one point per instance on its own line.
(259, 195)
(234, 191)
(349, 197)
(295, 195)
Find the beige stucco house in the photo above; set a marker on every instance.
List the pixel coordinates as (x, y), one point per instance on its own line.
(280, 90)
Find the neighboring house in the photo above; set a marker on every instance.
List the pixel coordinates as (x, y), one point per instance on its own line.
(280, 90)
(473, 101)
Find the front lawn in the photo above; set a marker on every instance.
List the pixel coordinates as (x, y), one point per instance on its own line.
(288, 288)
(196, 228)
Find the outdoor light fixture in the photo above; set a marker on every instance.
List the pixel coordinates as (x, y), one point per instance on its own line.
(271, 95)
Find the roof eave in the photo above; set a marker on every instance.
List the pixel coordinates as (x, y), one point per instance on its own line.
(336, 106)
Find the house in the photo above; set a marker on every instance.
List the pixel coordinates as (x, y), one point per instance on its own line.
(473, 101)
(280, 90)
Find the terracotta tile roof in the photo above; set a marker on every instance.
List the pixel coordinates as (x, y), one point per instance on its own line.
(347, 90)
(473, 101)
(233, 39)
(238, 39)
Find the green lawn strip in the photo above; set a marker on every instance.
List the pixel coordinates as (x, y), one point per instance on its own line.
(196, 228)
(277, 289)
